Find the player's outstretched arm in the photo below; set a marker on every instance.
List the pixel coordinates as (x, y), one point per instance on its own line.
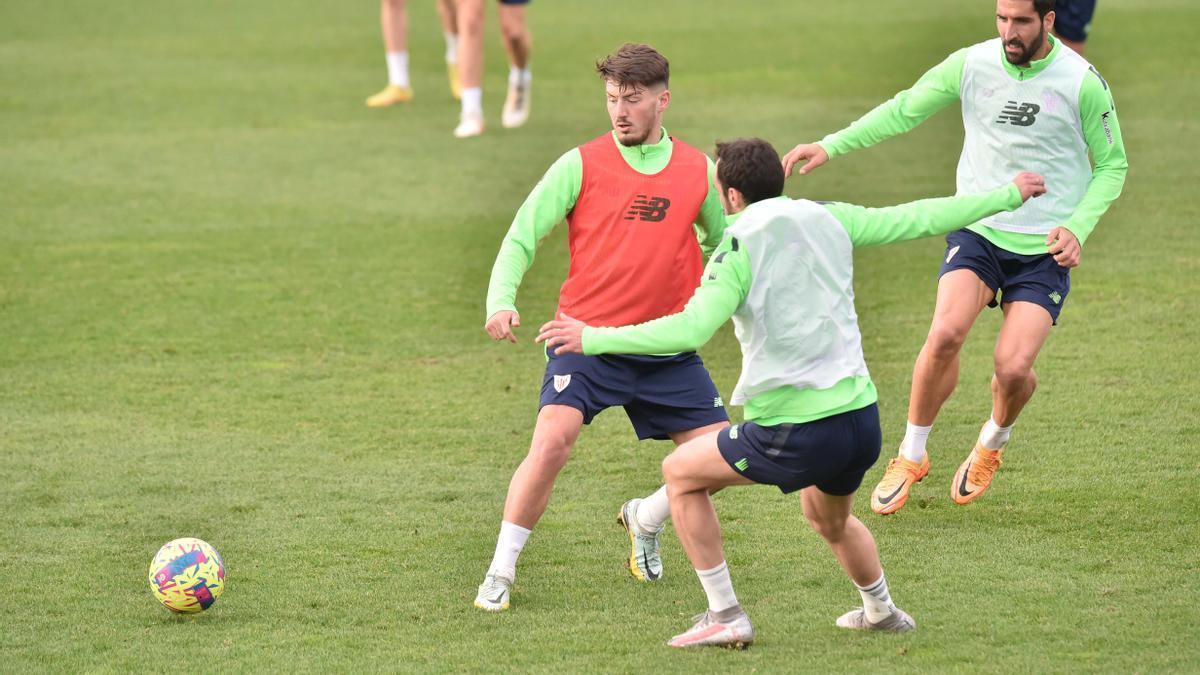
(726, 282)
(937, 88)
(545, 207)
(927, 217)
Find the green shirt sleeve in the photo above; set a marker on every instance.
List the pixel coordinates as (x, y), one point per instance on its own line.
(546, 206)
(1102, 133)
(921, 218)
(710, 224)
(937, 88)
(724, 288)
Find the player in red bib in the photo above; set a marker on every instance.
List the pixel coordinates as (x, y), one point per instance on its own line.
(642, 212)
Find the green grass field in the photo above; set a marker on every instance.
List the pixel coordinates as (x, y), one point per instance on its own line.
(236, 304)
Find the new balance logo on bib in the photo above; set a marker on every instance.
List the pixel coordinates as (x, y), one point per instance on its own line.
(1019, 114)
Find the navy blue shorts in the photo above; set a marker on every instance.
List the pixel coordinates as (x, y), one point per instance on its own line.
(1073, 17)
(661, 394)
(1011, 276)
(514, 2)
(833, 453)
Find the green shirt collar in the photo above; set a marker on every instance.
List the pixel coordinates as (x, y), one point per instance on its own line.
(1034, 67)
(640, 153)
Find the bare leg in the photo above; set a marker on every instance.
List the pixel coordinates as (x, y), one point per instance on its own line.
(962, 295)
(693, 471)
(470, 17)
(1025, 329)
(449, 15)
(518, 42)
(393, 18)
(850, 540)
(529, 491)
(1078, 47)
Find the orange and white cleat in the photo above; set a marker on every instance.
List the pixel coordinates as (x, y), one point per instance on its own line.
(898, 479)
(975, 474)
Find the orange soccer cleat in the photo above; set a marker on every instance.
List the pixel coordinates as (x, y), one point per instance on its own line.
(892, 491)
(975, 474)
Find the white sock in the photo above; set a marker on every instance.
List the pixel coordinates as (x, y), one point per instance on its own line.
(508, 547)
(718, 587)
(472, 101)
(521, 76)
(451, 47)
(653, 511)
(877, 602)
(397, 63)
(912, 447)
(993, 436)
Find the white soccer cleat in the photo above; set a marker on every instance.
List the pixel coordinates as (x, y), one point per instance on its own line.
(897, 622)
(469, 124)
(734, 633)
(493, 593)
(645, 562)
(516, 106)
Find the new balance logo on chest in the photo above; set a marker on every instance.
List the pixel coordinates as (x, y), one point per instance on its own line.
(1019, 114)
(649, 209)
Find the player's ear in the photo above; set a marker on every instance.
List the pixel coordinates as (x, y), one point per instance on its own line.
(1048, 21)
(664, 100)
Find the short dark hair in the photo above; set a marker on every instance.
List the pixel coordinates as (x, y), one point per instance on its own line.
(1043, 7)
(635, 65)
(750, 166)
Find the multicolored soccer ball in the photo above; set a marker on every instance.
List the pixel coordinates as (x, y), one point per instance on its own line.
(187, 575)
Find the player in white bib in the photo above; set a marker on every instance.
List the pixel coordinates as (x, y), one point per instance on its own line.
(1028, 103)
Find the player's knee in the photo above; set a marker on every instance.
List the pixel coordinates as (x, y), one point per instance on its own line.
(551, 451)
(671, 472)
(1015, 371)
(831, 530)
(946, 339)
(394, 5)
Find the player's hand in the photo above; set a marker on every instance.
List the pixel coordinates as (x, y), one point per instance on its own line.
(501, 324)
(1064, 246)
(1030, 184)
(563, 336)
(811, 154)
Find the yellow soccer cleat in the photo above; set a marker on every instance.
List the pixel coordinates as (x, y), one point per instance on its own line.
(455, 83)
(898, 479)
(975, 474)
(390, 95)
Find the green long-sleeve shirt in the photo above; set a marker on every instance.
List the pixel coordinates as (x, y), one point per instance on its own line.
(553, 198)
(726, 284)
(940, 87)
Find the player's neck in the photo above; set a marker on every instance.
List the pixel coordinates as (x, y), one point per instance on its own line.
(655, 136)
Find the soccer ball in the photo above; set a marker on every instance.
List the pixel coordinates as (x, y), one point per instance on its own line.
(187, 575)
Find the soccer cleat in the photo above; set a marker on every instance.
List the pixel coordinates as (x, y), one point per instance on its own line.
(516, 106)
(898, 479)
(390, 95)
(735, 633)
(493, 593)
(469, 124)
(975, 474)
(897, 622)
(455, 83)
(645, 563)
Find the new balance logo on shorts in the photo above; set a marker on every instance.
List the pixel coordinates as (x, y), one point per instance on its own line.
(1019, 114)
(741, 464)
(649, 209)
(717, 402)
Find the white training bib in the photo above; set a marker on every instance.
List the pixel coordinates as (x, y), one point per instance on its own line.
(1024, 125)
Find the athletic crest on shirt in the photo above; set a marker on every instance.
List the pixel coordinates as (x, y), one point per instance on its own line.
(561, 382)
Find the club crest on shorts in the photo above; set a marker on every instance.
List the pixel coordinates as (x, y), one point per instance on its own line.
(561, 382)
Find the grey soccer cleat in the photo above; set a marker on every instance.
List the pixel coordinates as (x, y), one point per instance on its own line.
(493, 593)
(645, 563)
(897, 622)
(735, 632)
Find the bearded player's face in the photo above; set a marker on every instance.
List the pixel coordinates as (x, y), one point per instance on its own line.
(1021, 30)
(635, 112)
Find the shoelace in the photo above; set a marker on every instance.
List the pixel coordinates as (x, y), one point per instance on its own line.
(982, 467)
(893, 476)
